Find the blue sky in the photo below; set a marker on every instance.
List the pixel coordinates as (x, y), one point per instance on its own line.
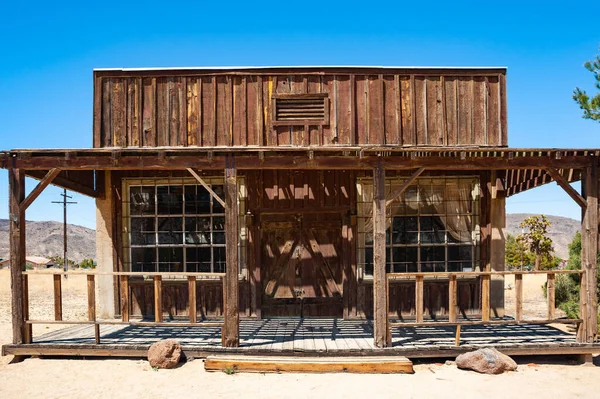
(49, 51)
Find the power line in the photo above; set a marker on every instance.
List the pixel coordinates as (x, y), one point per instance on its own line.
(64, 202)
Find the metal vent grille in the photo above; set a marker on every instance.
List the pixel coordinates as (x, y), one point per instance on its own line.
(303, 109)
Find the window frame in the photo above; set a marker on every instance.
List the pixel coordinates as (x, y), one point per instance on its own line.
(182, 182)
(363, 248)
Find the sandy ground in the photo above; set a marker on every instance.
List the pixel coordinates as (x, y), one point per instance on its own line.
(78, 378)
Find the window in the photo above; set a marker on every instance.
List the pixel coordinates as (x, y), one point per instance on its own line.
(176, 226)
(432, 227)
(300, 109)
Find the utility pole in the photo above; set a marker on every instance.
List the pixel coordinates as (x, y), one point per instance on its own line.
(64, 202)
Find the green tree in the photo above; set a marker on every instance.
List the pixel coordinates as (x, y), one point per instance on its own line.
(516, 253)
(590, 105)
(536, 239)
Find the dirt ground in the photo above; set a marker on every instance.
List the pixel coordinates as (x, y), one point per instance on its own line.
(84, 378)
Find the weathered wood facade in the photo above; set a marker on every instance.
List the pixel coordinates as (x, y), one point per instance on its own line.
(365, 107)
(344, 193)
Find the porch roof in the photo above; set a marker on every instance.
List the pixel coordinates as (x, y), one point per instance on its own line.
(524, 168)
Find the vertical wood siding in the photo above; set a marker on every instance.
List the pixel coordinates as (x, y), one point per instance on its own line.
(408, 109)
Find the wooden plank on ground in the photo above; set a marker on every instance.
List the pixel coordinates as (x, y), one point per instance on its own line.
(276, 364)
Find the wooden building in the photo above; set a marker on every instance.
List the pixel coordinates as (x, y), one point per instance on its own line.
(346, 193)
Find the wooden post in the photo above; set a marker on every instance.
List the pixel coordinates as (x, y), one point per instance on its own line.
(231, 327)
(124, 298)
(496, 238)
(57, 297)
(550, 295)
(379, 287)
(192, 299)
(452, 299)
(519, 297)
(419, 298)
(485, 297)
(27, 330)
(91, 294)
(16, 179)
(589, 249)
(457, 337)
(158, 310)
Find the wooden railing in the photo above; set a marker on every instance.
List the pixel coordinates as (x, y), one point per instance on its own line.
(420, 278)
(125, 296)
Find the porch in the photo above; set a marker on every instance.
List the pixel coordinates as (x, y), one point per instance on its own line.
(325, 337)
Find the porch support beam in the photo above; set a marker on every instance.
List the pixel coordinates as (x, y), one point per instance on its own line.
(589, 250)
(380, 311)
(144, 161)
(16, 181)
(206, 186)
(406, 184)
(52, 173)
(497, 237)
(231, 328)
(564, 184)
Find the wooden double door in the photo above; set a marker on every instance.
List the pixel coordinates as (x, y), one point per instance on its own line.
(302, 271)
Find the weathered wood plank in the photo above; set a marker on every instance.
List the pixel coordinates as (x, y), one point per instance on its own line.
(419, 309)
(27, 328)
(194, 136)
(91, 297)
(47, 179)
(360, 365)
(380, 323)
(124, 296)
(57, 297)
(149, 128)
(158, 299)
(231, 327)
(550, 295)
(519, 297)
(465, 122)
(479, 111)
(192, 299)
(589, 249)
(435, 131)
(485, 298)
(452, 304)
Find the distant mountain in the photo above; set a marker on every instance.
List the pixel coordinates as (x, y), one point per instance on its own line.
(46, 239)
(562, 230)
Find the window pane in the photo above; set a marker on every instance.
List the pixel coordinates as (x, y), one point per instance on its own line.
(197, 230)
(191, 201)
(198, 259)
(143, 260)
(458, 253)
(202, 201)
(433, 254)
(141, 200)
(219, 259)
(170, 230)
(143, 231)
(217, 207)
(369, 261)
(170, 200)
(170, 259)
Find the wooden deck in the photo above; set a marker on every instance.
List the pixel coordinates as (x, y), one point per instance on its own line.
(326, 337)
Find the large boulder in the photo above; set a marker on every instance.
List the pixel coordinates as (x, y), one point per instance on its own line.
(486, 360)
(164, 354)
